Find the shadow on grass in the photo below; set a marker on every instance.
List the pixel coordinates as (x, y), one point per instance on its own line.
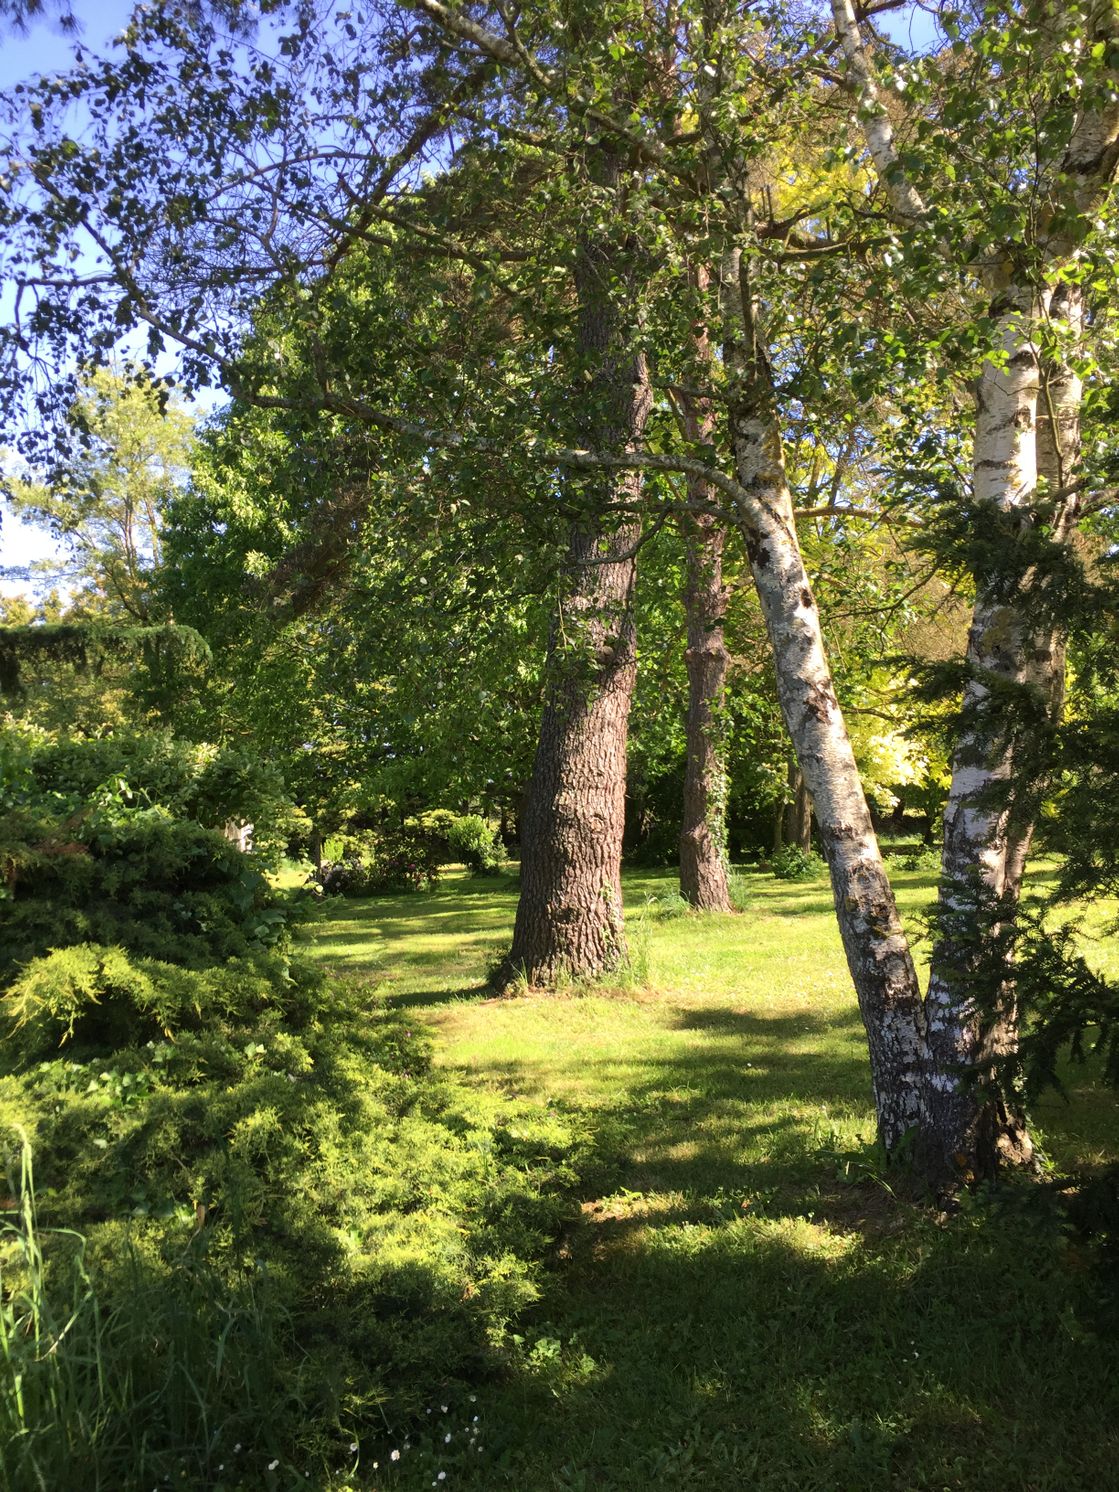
(739, 1300)
(736, 1313)
(775, 1356)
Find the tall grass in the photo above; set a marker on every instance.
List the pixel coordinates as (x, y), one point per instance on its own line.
(160, 1380)
(53, 1384)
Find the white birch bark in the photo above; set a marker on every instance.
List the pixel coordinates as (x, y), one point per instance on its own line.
(969, 1125)
(875, 944)
(971, 1021)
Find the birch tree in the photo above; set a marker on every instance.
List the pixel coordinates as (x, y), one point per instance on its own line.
(1055, 68)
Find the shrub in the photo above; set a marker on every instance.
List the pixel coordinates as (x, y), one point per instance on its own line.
(791, 863)
(383, 862)
(924, 857)
(286, 1187)
(477, 845)
(208, 785)
(138, 879)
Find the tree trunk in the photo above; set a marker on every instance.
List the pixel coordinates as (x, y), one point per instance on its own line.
(1027, 429)
(797, 813)
(876, 947)
(569, 916)
(703, 834)
(1015, 649)
(703, 831)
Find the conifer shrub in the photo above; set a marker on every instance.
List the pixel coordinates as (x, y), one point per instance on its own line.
(140, 879)
(260, 1218)
(260, 1135)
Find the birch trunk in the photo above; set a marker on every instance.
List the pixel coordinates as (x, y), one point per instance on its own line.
(971, 1126)
(974, 1124)
(873, 939)
(569, 917)
(1016, 646)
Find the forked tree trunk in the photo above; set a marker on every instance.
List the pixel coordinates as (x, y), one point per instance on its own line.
(569, 916)
(873, 939)
(1014, 648)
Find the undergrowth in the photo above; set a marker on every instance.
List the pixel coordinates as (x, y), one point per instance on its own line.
(275, 1228)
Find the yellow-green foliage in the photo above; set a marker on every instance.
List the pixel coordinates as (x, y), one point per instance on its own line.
(386, 1222)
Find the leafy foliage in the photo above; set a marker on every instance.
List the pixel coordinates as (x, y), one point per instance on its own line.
(791, 863)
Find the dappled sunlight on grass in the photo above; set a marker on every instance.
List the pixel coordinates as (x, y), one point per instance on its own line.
(743, 1298)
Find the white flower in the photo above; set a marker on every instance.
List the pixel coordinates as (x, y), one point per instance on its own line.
(442, 1409)
(447, 1438)
(273, 1464)
(394, 1455)
(353, 1445)
(442, 1477)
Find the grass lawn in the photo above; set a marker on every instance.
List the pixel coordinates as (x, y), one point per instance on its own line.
(741, 1301)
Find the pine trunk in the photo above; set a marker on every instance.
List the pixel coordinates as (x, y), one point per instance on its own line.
(569, 917)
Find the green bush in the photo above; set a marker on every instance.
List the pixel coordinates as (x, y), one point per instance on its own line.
(791, 863)
(477, 845)
(208, 785)
(328, 1215)
(263, 1227)
(382, 863)
(157, 886)
(387, 860)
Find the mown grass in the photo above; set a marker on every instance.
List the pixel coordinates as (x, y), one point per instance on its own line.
(743, 1300)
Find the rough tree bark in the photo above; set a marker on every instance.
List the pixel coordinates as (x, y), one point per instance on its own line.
(703, 831)
(875, 944)
(703, 835)
(569, 916)
(793, 821)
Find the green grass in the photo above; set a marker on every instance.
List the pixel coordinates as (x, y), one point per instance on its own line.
(742, 1301)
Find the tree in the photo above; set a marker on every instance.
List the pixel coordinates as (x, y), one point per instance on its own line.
(1029, 259)
(165, 231)
(107, 506)
(668, 132)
